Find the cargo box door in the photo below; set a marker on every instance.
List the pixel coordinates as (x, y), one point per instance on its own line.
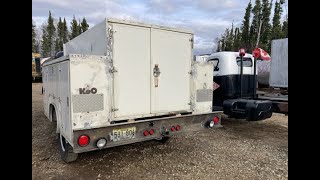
(131, 59)
(170, 67)
(63, 87)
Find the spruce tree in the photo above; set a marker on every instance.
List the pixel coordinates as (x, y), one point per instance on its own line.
(51, 29)
(45, 42)
(245, 36)
(276, 25)
(223, 43)
(218, 48)
(79, 27)
(227, 40)
(285, 28)
(65, 31)
(48, 37)
(237, 40)
(230, 39)
(74, 28)
(57, 45)
(84, 25)
(34, 48)
(60, 32)
(266, 26)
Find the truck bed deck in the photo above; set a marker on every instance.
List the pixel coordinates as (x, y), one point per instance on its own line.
(279, 98)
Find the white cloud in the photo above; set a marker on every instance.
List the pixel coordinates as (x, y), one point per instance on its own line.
(206, 18)
(162, 6)
(38, 20)
(217, 4)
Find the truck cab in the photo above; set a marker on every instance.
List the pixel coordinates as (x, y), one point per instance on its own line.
(226, 73)
(236, 95)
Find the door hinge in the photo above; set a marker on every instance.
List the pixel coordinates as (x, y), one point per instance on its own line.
(114, 109)
(68, 101)
(191, 40)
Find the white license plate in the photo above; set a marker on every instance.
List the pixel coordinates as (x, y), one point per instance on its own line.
(124, 134)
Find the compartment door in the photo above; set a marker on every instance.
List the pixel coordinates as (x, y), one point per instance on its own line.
(170, 67)
(131, 59)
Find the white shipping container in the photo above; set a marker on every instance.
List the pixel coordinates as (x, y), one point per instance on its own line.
(279, 63)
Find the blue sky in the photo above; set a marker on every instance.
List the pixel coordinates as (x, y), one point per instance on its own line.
(206, 18)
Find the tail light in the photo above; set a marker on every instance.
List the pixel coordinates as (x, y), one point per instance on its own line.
(178, 127)
(146, 133)
(173, 128)
(83, 140)
(216, 120)
(151, 132)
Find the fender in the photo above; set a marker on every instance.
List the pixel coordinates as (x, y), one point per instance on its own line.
(58, 113)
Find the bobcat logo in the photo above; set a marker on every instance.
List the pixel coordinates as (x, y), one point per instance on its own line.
(87, 91)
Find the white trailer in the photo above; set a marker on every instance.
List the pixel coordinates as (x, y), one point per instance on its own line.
(279, 63)
(123, 82)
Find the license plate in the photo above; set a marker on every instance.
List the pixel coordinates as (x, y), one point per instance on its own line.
(124, 134)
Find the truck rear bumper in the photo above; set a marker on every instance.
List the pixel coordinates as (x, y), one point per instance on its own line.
(161, 127)
(252, 110)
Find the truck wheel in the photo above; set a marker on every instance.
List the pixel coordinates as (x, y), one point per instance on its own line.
(164, 139)
(66, 150)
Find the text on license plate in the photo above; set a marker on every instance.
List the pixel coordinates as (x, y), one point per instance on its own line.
(125, 133)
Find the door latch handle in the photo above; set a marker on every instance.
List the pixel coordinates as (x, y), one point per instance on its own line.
(156, 74)
(156, 71)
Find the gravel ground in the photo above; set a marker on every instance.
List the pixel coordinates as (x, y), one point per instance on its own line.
(238, 150)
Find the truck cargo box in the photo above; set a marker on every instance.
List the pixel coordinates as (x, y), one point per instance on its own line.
(137, 51)
(123, 82)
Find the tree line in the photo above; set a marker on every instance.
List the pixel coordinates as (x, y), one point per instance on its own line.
(55, 34)
(255, 31)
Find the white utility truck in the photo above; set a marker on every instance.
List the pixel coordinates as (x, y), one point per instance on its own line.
(122, 82)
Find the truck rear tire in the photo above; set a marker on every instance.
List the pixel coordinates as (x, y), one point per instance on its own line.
(66, 150)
